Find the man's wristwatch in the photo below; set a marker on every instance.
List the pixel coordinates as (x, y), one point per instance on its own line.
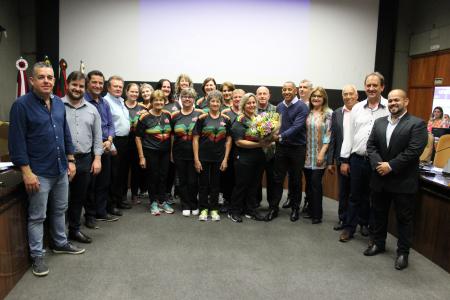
(72, 160)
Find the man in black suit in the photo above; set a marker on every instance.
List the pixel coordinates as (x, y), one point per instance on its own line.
(394, 147)
(340, 122)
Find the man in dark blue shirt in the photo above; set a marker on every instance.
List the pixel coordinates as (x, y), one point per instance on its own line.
(40, 144)
(290, 150)
(98, 203)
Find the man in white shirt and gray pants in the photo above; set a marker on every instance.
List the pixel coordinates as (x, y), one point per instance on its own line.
(354, 160)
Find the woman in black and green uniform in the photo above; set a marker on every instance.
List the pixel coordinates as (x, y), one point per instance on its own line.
(183, 123)
(211, 145)
(134, 109)
(209, 85)
(153, 133)
(227, 179)
(249, 160)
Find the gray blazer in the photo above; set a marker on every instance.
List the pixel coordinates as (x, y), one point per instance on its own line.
(337, 136)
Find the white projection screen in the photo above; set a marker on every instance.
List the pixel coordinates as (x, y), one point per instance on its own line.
(249, 42)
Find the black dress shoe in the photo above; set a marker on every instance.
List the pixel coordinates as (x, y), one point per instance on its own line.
(364, 230)
(373, 250)
(124, 205)
(272, 214)
(339, 226)
(79, 237)
(115, 212)
(294, 215)
(401, 262)
(316, 221)
(287, 203)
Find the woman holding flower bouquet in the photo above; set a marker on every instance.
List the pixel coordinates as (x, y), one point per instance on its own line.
(318, 124)
(249, 161)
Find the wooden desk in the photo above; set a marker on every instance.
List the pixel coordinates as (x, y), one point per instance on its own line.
(14, 259)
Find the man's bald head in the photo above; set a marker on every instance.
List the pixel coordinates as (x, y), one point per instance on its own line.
(262, 96)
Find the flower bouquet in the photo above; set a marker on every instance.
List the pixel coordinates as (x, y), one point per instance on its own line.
(264, 126)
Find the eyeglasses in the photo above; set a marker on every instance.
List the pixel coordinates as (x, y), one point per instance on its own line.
(316, 96)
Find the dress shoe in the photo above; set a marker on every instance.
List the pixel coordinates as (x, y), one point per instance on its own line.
(294, 215)
(364, 230)
(272, 214)
(115, 212)
(316, 221)
(91, 223)
(305, 207)
(345, 236)
(287, 203)
(79, 237)
(401, 262)
(124, 205)
(373, 250)
(339, 226)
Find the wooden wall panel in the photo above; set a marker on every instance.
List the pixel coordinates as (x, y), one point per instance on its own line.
(422, 71)
(420, 102)
(443, 67)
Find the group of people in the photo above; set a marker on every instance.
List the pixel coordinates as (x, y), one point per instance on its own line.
(204, 146)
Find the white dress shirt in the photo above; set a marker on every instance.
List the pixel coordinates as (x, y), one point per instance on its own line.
(120, 114)
(391, 126)
(362, 118)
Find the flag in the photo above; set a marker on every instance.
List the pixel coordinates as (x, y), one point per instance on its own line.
(47, 60)
(61, 86)
(82, 67)
(22, 83)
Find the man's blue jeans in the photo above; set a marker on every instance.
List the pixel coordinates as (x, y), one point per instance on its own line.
(51, 200)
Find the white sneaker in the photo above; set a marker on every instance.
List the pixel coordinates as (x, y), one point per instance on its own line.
(203, 215)
(186, 212)
(195, 212)
(215, 215)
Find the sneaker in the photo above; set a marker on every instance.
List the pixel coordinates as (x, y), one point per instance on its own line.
(203, 215)
(39, 268)
(143, 195)
(195, 212)
(254, 216)
(107, 218)
(167, 208)
(91, 223)
(68, 248)
(186, 212)
(215, 215)
(154, 209)
(170, 199)
(235, 218)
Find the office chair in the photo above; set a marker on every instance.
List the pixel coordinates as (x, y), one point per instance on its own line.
(442, 154)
